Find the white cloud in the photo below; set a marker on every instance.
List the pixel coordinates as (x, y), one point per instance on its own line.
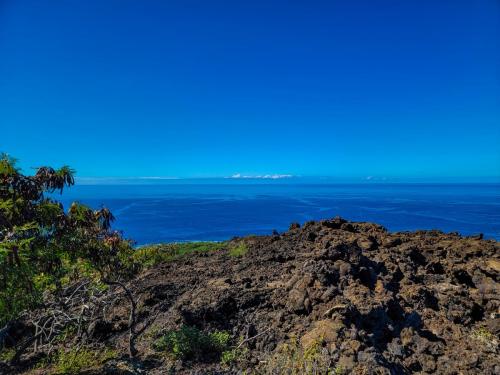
(156, 178)
(265, 176)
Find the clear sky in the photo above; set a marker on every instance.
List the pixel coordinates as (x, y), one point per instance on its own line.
(208, 88)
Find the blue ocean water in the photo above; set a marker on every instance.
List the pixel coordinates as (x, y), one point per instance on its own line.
(178, 211)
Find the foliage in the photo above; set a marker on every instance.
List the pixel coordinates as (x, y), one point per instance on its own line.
(6, 355)
(155, 254)
(238, 250)
(73, 361)
(191, 343)
(219, 340)
(42, 246)
(231, 356)
(486, 337)
(292, 358)
(483, 334)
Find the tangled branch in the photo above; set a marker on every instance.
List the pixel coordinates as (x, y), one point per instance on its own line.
(75, 308)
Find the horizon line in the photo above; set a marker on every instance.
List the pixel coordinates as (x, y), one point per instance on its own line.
(90, 180)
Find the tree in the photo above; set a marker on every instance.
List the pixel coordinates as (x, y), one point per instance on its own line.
(29, 225)
(40, 243)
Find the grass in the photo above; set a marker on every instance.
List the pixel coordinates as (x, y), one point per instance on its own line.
(6, 355)
(238, 250)
(483, 333)
(75, 361)
(154, 254)
(161, 253)
(292, 358)
(190, 343)
(486, 337)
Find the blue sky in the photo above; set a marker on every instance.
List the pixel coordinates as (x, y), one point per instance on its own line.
(406, 89)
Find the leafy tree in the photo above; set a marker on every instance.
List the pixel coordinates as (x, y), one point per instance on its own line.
(40, 243)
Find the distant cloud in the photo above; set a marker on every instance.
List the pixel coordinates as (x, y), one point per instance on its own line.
(156, 178)
(375, 178)
(265, 176)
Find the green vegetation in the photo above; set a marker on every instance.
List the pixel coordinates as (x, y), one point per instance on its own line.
(6, 355)
(483, 334)
(44, 248)
(485, 337)
(238, 250)
(190, 343)
(292, 358)
(155, 254)
(73, 361)
(230, 357)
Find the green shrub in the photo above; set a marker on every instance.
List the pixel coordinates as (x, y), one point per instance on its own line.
(74, 361)
(292, 358)
(6, 355)
(191, 343)
(483, 334)
(238, 250)
(154, 254)
(219, 340)
(485, 337)
(229, 357)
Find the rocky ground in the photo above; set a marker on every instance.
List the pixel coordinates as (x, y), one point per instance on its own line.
(368, 301)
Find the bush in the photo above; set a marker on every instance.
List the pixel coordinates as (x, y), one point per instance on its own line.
(74, 361)
(485, 337)
(229, 357)
(6, 355)
(238, 250)
(191, 343)
(292, 358)
(219, 340)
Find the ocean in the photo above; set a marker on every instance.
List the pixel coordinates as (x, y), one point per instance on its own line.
(179, 211)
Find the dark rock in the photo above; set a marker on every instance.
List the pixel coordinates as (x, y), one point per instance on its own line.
(296, 300)
(374, 302)
(101, 329)
(395, 348)
(367, 243)
(335, 223)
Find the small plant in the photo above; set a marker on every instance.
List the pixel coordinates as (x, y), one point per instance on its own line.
(191, 343)
(219, 340)
(182, 343)
(6, 355)
(484, 336)
(238, 250)
(230, 357)
(73, 361)
(292, 358)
